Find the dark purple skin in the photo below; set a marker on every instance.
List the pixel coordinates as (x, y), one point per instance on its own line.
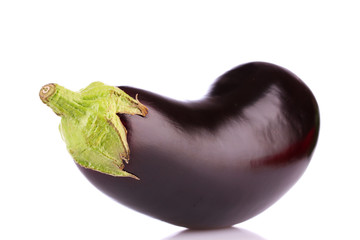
(219, 161)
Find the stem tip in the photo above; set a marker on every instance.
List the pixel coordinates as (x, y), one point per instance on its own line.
(47, 91)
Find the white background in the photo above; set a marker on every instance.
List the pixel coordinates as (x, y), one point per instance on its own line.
(175, 48)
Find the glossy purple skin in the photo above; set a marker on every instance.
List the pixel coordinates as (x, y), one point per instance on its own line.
(222, 160)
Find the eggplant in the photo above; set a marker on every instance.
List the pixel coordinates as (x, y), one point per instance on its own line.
(204, 164)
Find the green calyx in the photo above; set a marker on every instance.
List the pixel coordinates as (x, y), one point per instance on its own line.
(90, 126)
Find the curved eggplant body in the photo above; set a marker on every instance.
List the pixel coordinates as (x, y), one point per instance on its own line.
(222, 160)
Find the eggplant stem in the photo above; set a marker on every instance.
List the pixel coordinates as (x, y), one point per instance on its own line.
(92, 130)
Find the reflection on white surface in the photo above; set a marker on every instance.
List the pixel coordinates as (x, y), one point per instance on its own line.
(227, 233)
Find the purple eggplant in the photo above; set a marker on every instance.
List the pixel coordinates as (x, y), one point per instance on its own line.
(210, 163)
